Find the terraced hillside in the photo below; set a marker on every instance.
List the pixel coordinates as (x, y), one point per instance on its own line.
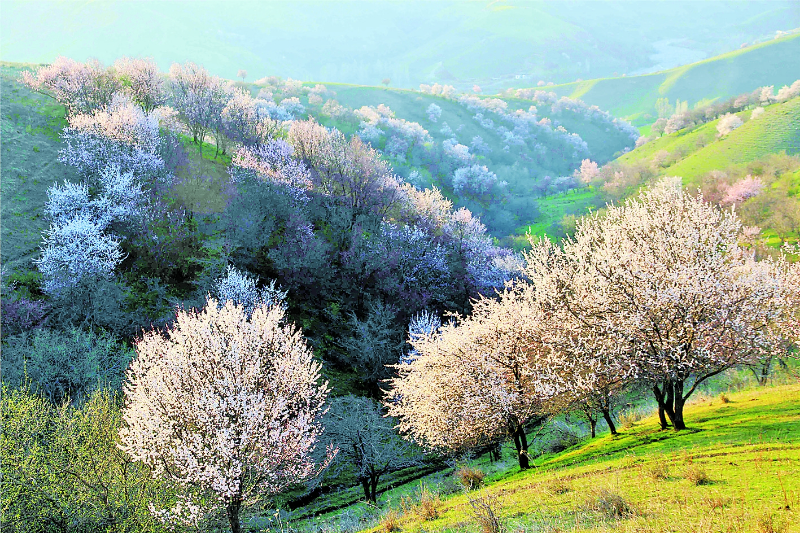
(775, 62)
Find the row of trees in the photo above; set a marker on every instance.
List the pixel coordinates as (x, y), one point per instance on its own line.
(656, 292)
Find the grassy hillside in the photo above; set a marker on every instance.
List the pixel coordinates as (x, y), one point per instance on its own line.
(775, 62)
(767, 147)
(30, 124)
(773, 132)
(736, 469)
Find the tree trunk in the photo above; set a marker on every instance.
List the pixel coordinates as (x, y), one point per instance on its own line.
(670, 403)
(762, 371)
(494, 453)
(665, 397)
(662, 417)
(592, 420)
(607, 416)
(677, 411)
(661, 398)
(367, 493)
(374, 487)
(233, 515)
(521, 443)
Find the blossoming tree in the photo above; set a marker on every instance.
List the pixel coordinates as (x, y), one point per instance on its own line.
(474, 381)
(664, 272)
(225, 405)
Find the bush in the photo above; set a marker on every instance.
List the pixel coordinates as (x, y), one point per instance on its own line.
(425, 504)
(390, 521)
(696, 475)
(610, 504)
(657, 470)
(20, 314)
(62, 470)
(470, 478)
(64, 365)
(484, 511)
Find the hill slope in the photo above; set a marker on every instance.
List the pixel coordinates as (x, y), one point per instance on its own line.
(767, 147)
(735, 469)
(776, 62)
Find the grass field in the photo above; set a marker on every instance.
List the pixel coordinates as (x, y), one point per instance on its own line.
(777, 130)
(775, 62)
(736, 469)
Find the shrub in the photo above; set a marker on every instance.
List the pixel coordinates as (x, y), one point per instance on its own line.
(723, 398)
(657, 470)
(766, 524)
(484, 511)
(428, 504)
(470, 478)
(610, 504)
(696, 475)
(62, 470)
(21, 314)
(67, 364)
(390, 521)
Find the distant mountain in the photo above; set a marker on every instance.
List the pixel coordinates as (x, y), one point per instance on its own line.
(495, 44)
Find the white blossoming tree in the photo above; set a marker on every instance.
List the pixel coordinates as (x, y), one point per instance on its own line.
(75, 251)
(474, 381)
(664, 274)
(226, 406)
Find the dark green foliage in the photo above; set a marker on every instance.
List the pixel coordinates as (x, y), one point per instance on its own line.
(165, 245)
(376, 341)
(64, 365)
(62, 471)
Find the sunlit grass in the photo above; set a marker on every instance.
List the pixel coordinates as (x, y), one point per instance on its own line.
(737, 468)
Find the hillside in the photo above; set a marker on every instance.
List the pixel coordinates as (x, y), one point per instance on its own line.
(736, 469)
(776, 62)
(491, 43)
(766, 147)
(773, 132)
(528, 152)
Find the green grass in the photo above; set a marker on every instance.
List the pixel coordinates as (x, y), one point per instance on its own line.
(775, 62)
(777, 130)
(749, 448)
(30, 124)
(552, 210)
